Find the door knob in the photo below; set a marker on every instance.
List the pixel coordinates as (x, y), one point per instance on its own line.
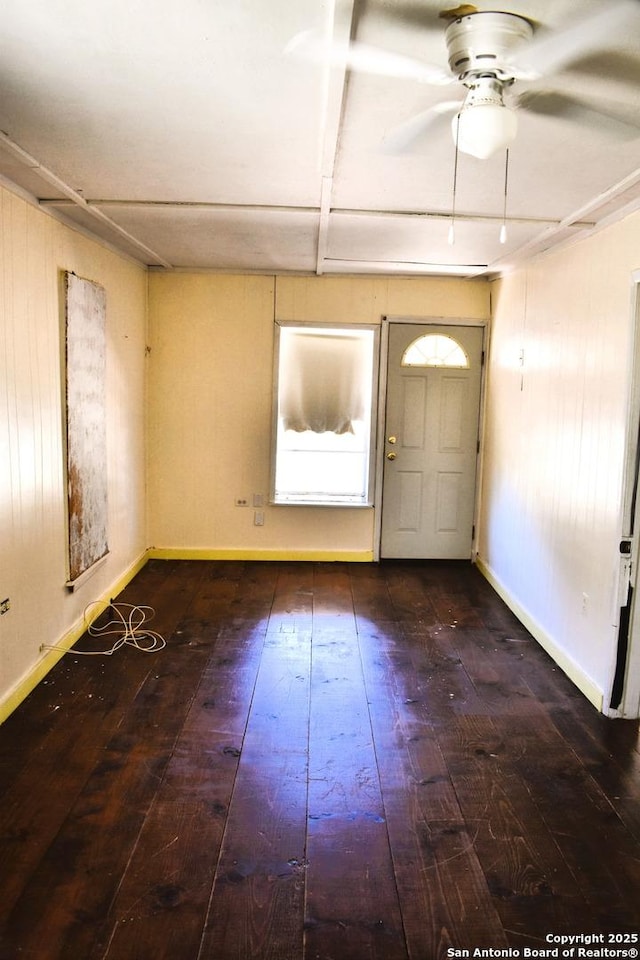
(392, 455)
(392, 439)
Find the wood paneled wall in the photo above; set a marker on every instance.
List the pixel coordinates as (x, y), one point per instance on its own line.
(33, 537)
(558, 394)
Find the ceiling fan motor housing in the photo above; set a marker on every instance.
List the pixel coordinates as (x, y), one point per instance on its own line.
(484, 43)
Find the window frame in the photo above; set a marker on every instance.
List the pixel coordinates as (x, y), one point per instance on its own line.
(431, 364)
(368, 499)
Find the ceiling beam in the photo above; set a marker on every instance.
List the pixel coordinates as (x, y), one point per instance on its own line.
(574, 225)
(55, 181)
(403, 267)
(323, 209)
(323, 225)
(338, 35)
(552, 232)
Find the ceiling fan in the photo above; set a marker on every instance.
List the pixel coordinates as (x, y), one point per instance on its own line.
(488, 51)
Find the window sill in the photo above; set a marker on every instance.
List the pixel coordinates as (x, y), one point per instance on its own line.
(294, 502)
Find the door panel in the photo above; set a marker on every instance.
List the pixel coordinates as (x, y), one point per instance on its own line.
(431, 426)
(413, 413)
(448, 496)
(452, 414)
(410, 506)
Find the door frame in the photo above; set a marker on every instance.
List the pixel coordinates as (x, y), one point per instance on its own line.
(625, 674)
(382, 409)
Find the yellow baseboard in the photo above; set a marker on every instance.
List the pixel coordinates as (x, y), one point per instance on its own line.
(50, 657)
(187, 553)
(567, 664)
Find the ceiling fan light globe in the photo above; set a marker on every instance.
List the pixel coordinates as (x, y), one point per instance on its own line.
(483, 129)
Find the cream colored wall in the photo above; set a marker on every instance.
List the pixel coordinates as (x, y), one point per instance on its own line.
(554, 446)
(33, 571)
(209, 404)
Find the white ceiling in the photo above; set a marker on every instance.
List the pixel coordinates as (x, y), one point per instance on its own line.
(185, 135)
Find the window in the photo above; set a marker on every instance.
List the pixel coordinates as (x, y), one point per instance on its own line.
(435, 350)
(323, 417)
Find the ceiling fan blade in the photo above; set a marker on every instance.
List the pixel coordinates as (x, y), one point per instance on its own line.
(605, 120)
(549, 52)
(364, 58)
(404, 135)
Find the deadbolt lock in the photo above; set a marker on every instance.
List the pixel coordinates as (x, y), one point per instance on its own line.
(392, 439)
(392, 455)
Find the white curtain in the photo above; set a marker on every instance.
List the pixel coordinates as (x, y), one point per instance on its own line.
(321, 381)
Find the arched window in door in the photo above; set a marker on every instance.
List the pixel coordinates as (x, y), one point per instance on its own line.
(435, 350)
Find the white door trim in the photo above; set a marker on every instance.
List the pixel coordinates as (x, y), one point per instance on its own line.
(382, 402)
(628, 673)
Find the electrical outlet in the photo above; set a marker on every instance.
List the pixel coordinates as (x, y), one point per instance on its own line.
(5, 606)
(241, 502)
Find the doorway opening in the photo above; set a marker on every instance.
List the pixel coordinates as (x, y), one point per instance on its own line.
(624, 699)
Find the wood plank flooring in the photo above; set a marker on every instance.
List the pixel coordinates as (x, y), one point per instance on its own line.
(325, 762)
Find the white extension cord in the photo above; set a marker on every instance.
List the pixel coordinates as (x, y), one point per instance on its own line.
(127, 627)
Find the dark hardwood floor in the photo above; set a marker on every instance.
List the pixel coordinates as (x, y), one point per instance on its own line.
(325, 762)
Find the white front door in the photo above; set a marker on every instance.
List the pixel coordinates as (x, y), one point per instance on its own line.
(431, 441)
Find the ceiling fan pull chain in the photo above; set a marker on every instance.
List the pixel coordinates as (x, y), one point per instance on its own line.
(452, 232)
(503, 228)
